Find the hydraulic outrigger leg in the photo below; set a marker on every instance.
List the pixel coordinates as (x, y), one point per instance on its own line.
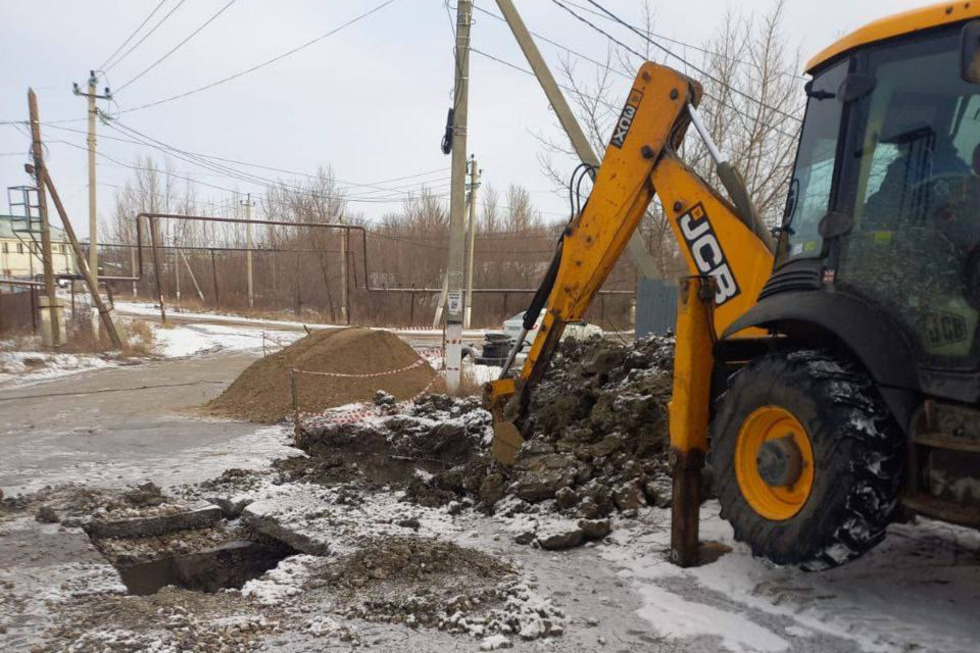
(689, 413)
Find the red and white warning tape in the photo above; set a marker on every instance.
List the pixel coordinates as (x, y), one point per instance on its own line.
(358, 412)
(368, 375)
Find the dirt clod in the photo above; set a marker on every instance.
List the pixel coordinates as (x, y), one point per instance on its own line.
(46, 515)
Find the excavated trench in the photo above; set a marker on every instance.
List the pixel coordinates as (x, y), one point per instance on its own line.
(230, 565)
(185, 559)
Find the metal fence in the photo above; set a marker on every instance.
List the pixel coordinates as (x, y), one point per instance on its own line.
(18, 309)
(656, 306)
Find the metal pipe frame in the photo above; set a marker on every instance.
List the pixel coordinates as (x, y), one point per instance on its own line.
(315, 225)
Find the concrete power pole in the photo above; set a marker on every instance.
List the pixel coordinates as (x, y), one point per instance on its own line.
(93, 217)
(457, 202)
(248, 247)
(344, 287)
(42, 200)
(473, 186)
(644, 263)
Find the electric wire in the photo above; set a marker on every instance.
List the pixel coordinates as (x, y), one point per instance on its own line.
(229, 171)
(176, 47)
(692, 46)
(675, 56)
(376, 185)
(611, 106)
(261, 65)
(133, 34)
(145, 36)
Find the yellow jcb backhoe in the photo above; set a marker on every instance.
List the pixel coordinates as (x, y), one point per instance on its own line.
(833, 364)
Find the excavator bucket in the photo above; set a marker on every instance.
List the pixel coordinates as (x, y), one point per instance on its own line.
(507, 441)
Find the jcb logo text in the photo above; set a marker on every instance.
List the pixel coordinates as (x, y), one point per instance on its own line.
(707, 253)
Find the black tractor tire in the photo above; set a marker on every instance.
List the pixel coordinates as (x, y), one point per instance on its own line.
(857, 452)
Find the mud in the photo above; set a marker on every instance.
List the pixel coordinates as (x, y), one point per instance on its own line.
(262, 392)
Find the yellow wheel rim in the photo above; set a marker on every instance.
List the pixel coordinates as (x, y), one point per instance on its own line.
(775, 502)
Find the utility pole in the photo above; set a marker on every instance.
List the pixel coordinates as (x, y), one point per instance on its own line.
(42, 200)
(177, 270)
(457, 202)
(248, 246)
(190, 272)
(93, 285)
(344, 290)
(93, 217)
(644, 263)
(474, 184)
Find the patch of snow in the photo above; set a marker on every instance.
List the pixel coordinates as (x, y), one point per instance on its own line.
(283, 582)
(676, 617)
(151, 310)
(918, 586)
(494, 642)
(188, 340)
(21, 368)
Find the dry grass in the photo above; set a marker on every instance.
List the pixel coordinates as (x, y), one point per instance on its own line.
(195, 305)
(140, 339)
(136, 336)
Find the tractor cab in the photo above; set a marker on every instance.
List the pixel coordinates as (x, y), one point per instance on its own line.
(884, 201)
(878, 261)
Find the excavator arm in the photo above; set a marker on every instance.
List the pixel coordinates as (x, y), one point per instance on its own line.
(724, 244)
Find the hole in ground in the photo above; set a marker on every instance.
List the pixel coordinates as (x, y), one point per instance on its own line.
(230, 565)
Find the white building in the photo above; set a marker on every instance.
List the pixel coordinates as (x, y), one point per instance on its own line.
(20, 255)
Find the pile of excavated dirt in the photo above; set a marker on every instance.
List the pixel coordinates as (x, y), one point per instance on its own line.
(435, 584)
(431, 435)
(598, 444)
(262, 392)
(599, 429)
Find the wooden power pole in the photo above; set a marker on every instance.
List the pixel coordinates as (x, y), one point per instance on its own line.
(42, 200)
(457, 202)
(90, 279)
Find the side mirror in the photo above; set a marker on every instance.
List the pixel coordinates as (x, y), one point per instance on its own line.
(970, 52)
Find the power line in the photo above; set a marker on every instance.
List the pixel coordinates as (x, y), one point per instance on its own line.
(369, 184)
(260, 65)
(606, 67)
(177, 47)
(603, 102)
(233, 172)
(685, 44)
(133, 34)
(670, 53)
(145, 36)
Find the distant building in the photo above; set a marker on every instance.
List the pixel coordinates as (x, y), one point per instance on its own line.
(20, 255)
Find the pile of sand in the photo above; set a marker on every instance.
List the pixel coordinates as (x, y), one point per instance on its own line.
(262, 392)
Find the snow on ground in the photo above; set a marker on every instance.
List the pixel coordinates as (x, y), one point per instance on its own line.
(151, 310)
(916, 591)
(20, 368)
(255, 450)
(186, 340)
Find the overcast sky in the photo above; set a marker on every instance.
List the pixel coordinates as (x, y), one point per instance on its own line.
(369, 101)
